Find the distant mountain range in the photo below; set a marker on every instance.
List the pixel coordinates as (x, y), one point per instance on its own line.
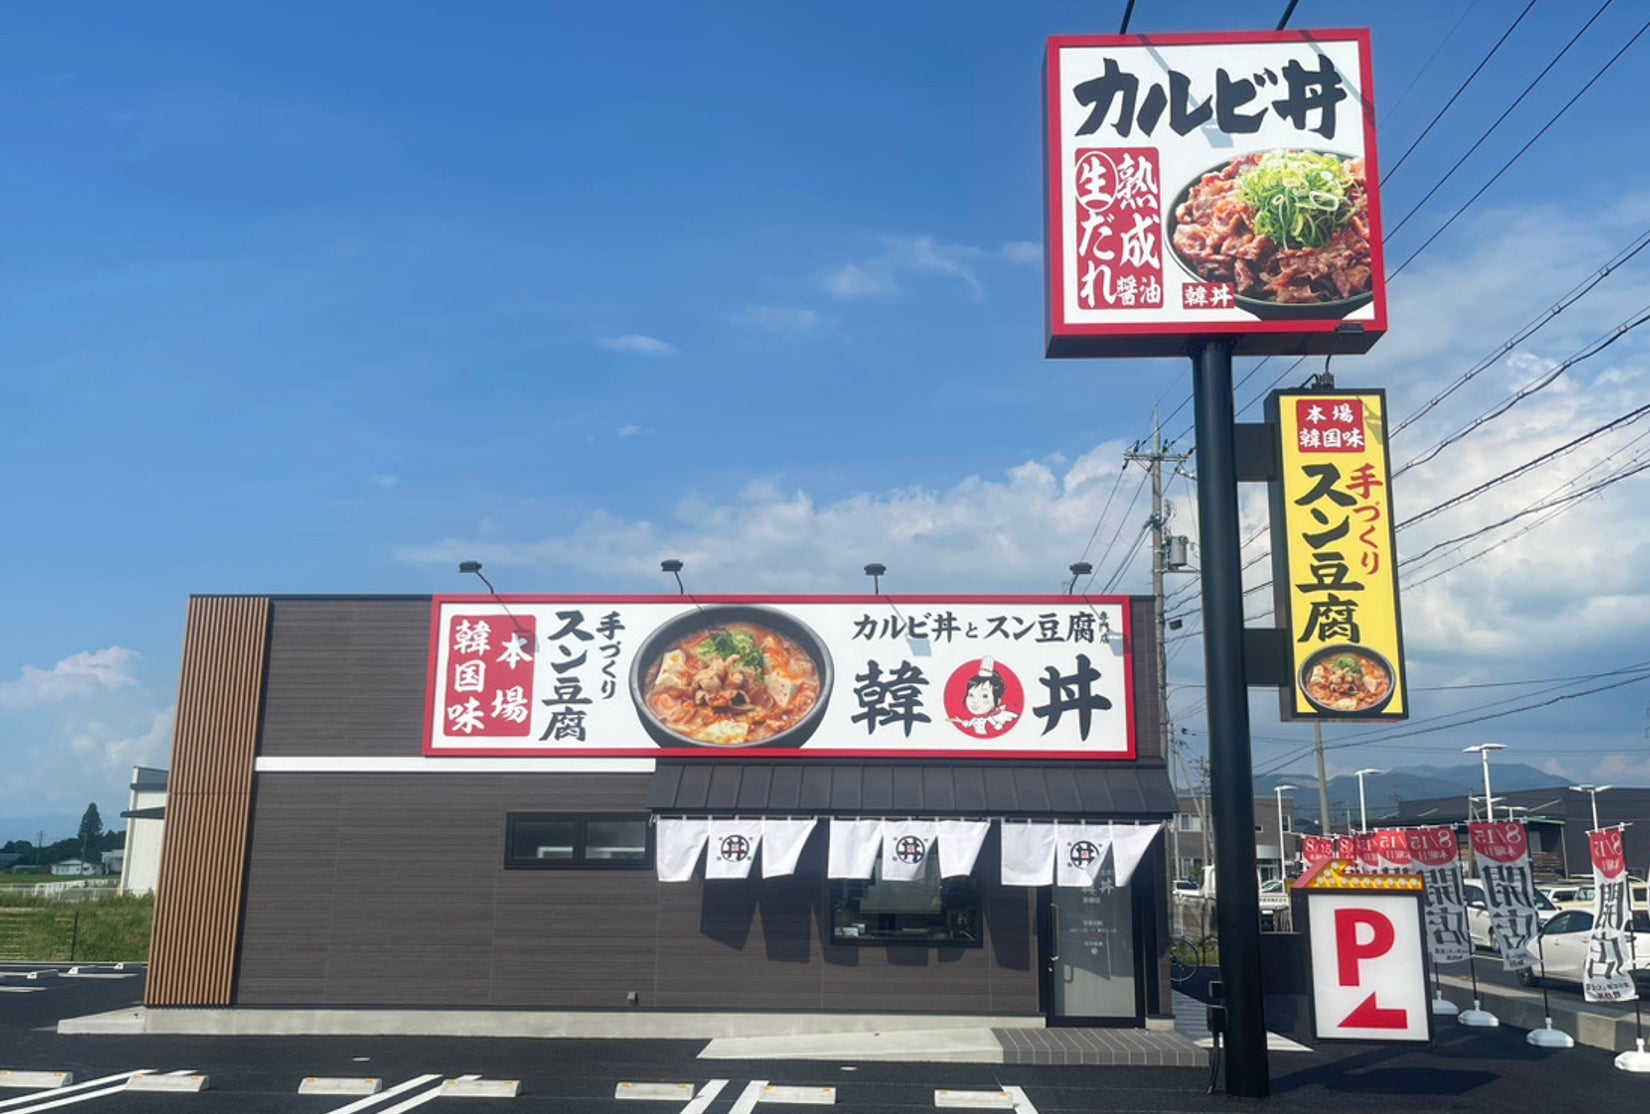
(1405, 783)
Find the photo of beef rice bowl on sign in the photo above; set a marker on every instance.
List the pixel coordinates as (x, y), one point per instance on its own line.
(732, 677)
(1288, 229)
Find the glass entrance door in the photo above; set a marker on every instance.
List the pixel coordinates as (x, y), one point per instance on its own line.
(1090, 963)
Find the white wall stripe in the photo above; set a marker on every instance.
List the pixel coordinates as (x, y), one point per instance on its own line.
(411, 764)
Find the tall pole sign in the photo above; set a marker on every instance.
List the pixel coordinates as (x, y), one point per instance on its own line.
(1211, 196)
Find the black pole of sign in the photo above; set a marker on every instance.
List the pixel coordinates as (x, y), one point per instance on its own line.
(1237, 910)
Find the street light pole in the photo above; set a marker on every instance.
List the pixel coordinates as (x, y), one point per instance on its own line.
(1483, 752)
(1592, 791)
(1283, 867)
(1363, 810)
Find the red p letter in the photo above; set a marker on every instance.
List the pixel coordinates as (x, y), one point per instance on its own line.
(1349, 951)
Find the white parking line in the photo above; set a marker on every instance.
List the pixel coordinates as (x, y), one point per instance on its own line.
(749, 1097)
(374, 1100)
(419, 1100)
(1022, 1105)
(119, 1080)
(55, 1101)
(707, 1095)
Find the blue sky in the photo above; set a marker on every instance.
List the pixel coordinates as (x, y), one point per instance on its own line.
(310, 298)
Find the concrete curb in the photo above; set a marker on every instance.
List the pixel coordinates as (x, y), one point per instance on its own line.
(596, 1024)
(1590, 1025)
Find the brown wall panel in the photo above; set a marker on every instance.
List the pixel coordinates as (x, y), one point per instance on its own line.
(388, 889)
(197, 908)
(346, 677)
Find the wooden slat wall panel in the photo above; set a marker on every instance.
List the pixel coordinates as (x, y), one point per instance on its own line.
(208, 802)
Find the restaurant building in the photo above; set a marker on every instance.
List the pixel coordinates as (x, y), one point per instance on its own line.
(800, 804)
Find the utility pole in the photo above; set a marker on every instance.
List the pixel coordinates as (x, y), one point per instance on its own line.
(1153, 461)
(1323, 779)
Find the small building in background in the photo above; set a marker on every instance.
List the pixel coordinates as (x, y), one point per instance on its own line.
(145, 820)
(75, 868)
(1274, 851)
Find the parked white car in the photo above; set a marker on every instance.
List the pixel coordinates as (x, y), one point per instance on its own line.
(1478, 913)
(1562, 953)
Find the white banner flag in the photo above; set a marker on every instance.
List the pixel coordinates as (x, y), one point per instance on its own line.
(853, 852)
(733, 845)
(906, 845)
(1128, 846)
(678, 843)
(1028, 854)
(1080, 852)
(1608, 975)
(782, 842)
(1435, 855)
(960, 842)
(1502, 850)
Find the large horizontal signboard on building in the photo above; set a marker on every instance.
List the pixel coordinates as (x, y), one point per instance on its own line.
(1205, 185)
(955, 677)
(1334, 569)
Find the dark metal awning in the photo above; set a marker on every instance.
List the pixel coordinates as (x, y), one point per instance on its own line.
(1094, 789)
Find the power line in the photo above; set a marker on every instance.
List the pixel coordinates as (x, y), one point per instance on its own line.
(1513, 473)
(1570, 298)
(1489, 131)
(1482, 62)
(1602, 70)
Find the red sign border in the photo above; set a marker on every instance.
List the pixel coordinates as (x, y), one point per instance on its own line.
(1254, 338)
(1130, 754)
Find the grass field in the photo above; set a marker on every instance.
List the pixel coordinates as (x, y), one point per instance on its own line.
(46, 930)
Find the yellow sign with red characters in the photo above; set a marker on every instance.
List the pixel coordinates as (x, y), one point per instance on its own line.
(1335, 575)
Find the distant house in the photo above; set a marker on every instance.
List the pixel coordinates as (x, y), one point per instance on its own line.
(145, 824)
(112, 861)
(76, 867)
(9, 860)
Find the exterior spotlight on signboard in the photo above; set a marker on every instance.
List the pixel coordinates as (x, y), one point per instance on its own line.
(1078, 569)
(875, 571)
(674, 568)
(475, 567)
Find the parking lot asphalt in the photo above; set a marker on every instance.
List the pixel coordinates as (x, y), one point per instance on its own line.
(1465, 1070)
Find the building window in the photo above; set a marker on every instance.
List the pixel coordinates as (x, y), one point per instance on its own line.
(1189, 822)
(578, 841)
(932, 911)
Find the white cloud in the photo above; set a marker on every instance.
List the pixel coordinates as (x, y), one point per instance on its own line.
(1002, 533)
(78, 675)
(634, 431)
(783, 320)
(1022, 251)
(383, 481)
(115, 752)
(900, 256)
(637, 343)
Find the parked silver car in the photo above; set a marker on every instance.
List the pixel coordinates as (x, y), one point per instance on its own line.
(1478, 913)
(1563, 949)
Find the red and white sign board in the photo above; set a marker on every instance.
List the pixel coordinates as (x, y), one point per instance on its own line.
(1212, 184)
(1369, 974)
(928, 677)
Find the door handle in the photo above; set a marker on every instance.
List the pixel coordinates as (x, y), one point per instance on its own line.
(1054, 913)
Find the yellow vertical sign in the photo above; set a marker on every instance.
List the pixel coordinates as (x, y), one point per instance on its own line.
(1335, 572)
